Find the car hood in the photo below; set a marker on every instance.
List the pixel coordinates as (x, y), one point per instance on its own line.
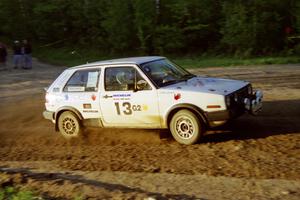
(208, 85)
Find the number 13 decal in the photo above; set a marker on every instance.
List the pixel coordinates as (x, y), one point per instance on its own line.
(128, 108)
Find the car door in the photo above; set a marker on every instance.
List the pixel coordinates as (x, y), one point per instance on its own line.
(81, 92)
(123, 104)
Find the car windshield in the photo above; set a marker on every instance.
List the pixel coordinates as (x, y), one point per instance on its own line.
(164, 72)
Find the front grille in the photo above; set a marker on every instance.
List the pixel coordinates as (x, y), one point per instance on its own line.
(237, 97)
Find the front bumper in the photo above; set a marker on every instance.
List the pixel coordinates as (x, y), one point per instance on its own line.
(251, 104)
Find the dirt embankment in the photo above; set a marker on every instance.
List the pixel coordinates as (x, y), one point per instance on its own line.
(250, 158)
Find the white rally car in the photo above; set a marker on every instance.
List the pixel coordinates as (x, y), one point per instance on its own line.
(145, 92)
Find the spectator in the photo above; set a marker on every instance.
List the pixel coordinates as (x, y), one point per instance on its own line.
(3, 54)
(27, 49)
(17, 59)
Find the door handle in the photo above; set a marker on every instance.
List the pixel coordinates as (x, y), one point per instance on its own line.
(106, 96)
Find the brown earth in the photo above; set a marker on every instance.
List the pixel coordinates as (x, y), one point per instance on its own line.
(250, 158)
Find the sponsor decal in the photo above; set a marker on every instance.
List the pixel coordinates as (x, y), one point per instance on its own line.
(121, 96)
(90, 111)
(87, 106)
(177, 96)
(66, 97)
(93, 97)
(76, 89)
(145, 107)
(126, 108)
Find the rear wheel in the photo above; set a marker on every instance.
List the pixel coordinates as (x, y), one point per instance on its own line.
(69, 125)
(186, 127)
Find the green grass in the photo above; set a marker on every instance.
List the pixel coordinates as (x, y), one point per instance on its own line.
(15, 193)
(67, 57)
(199, 62)
(64, 57)
(11, 193)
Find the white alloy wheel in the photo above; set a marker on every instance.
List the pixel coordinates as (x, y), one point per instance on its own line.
(185, 127)
(69, 125)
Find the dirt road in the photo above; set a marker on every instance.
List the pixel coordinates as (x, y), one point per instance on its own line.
(250, 158)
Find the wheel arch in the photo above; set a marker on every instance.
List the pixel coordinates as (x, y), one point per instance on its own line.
(196, 110)
(63, 109)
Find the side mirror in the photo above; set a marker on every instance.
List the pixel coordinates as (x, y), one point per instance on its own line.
(141, 85)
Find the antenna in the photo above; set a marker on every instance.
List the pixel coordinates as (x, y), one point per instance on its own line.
(81, 57)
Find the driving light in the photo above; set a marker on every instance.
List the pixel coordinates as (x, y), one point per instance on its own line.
(227, 101)
(236, 97)
(249, 89)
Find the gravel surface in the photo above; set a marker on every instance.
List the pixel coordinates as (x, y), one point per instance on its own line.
(251, 157)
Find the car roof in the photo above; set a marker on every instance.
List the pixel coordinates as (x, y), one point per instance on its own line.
(130, 60)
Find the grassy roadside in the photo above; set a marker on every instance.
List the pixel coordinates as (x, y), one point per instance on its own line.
(69, 57)
(232, 61)
(17, 194)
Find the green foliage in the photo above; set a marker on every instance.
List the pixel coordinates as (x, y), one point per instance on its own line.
(197, 21)
(168, 39)
(2, 195)
(296, 13)
(68, 56)
(78, 198)
(65, 58)
(121, 27)
(10, 14)
(199, 62)
(144, 21)
(236, 29)
(253, 27)
(118, 23)
(10, 193)
(297, 49)
(48, 12)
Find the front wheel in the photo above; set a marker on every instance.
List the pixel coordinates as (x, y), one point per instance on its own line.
(69, 125)
(186, 127)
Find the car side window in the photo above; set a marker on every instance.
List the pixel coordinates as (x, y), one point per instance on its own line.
(123, 79)
(83, 81)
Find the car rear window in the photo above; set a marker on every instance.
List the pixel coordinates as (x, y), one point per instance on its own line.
(83, 81)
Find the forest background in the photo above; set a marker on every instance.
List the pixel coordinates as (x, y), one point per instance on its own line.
(70, 31)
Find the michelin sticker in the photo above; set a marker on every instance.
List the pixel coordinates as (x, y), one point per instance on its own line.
(121, 96)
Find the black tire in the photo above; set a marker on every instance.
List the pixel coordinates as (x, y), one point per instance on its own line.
(69, 125)
(186, 127)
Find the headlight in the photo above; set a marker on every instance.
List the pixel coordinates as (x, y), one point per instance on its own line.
(249, 89)
(227, 101)
(47, 97)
